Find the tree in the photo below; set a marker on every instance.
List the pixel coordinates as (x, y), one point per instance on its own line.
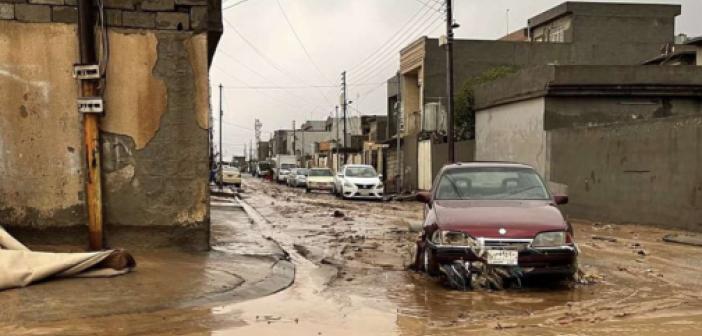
(464, 112)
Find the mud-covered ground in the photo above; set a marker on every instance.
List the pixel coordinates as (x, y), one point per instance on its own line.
(350, 278)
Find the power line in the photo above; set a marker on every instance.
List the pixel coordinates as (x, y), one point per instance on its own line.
(254, 71)
(386, 43)
(430, 5)
(299, 40)
(388, 46)
(266, 93)
(368, 73)
(266, 58)
(234, 4)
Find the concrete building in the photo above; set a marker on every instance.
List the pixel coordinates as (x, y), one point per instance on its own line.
(571, 33)
(622, 141)
(263, 151)
(154, 132)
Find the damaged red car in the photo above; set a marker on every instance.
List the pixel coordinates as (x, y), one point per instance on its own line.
(494, 216)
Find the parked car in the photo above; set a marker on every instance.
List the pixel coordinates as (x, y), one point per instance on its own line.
(358, 181)
(494, 214)
(297, 177)
(263, 169)
(282, 164)
(320, 179)
(229, 176)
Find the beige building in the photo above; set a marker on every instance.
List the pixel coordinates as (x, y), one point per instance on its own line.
(154, 132)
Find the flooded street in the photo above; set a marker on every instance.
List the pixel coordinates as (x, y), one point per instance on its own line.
(350, 278)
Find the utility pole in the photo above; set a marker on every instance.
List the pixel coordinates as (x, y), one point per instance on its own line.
(294, 146)
(221, 151)
(344, 105)
(449, 78)
(257, 128)
(337, 144)
(91, 121)
(398, 116)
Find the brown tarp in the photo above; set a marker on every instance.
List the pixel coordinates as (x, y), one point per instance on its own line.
(20, 267)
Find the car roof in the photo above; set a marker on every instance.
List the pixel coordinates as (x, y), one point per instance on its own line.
(484, 164)
(357, 166)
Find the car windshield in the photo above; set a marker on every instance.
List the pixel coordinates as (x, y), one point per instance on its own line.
(491, 183)
(360, 172)
(321, 172)
(301, 172)
(264, 166)
(287, 166)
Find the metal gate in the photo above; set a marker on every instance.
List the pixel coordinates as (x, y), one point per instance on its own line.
(424, 174)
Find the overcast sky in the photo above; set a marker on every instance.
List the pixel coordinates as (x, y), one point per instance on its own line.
(272, 78)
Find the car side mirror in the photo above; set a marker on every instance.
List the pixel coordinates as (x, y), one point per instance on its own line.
(560, 199)
(424, 197)
(380, 176)
(340, 175)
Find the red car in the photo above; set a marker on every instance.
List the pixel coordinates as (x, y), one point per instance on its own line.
(482, 215)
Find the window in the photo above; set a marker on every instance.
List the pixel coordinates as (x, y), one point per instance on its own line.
(491, 183)
(557, 34)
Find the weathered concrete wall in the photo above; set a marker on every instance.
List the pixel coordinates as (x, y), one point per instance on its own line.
(513, 132)
(465, 152)
(647, 171)
(154, 137)
(156, 160)
(41, 160)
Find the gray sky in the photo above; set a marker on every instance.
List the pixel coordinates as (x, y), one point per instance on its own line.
(361, 36)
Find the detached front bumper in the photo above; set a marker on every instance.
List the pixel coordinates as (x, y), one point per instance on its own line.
(552, 261)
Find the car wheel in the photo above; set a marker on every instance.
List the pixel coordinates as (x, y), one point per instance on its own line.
(307, 190)
(429, 263)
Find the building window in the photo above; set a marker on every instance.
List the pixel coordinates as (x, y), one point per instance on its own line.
(557, 35)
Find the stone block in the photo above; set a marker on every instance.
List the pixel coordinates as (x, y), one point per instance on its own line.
(46, 2)
(158, 5)
(191, 2)
(66, 14)
(176, 21)
(32, 13)
(198, 17)
(138, 19)
(119, 4)
(7, 11)
(113, 17)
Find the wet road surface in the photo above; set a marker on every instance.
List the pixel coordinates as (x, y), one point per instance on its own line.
(351, 279)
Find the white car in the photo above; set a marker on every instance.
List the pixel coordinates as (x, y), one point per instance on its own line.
(358, 181)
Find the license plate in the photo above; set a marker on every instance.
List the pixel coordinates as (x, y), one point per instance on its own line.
(502, 257)
(365, 192)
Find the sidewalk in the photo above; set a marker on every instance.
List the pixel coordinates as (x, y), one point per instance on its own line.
(241, 265)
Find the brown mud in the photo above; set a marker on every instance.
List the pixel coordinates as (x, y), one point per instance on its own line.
(351, 279)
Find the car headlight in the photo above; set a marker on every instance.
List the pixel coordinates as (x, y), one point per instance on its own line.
(379, 186)
(348, 184)
(453, 238)
(547, 239)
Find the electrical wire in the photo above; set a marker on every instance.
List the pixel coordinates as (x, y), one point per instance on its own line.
(365, 75)
(267, 59)
(387, 46)
(299, 40)
(234, 4)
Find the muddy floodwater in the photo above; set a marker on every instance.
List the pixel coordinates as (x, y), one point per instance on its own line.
(351, 279)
